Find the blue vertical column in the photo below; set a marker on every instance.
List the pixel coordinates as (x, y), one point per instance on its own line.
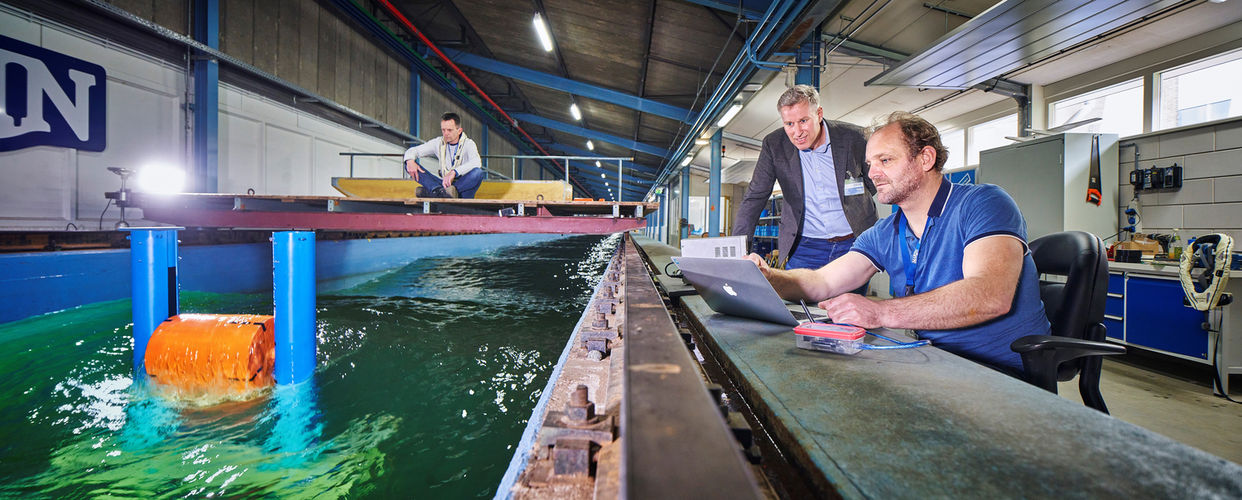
(713, 190)
(808, 61)
(293, 290)
(416, 97)
(204, 178)
(685, 200)
(154, 285)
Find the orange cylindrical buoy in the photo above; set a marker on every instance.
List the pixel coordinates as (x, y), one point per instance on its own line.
(212, 353)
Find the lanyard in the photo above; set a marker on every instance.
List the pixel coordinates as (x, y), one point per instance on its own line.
(451, 149)
(911, 262)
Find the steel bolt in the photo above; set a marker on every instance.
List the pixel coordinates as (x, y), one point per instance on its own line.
(579, 409)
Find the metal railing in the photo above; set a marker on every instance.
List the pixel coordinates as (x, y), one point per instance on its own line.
(514, 160)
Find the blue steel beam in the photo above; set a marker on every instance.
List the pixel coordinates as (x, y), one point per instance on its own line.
(573, 151)
(592, 173)
(729, 7)
(571, 86)
(590, 134)
(205, 172)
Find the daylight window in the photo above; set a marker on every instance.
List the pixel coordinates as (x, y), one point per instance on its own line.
(1119, 110)
(955, 142)
(989, 135)
(1201, 91)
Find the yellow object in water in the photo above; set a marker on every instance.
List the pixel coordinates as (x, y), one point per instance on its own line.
(397, 189)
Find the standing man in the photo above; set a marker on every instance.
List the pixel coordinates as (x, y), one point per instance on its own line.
(955, 255)
(823, 177)
(461, 169)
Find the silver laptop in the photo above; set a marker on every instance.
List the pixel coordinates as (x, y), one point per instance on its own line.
(735, 287)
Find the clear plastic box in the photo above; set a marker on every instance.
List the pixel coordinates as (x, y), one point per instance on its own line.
(841, 339)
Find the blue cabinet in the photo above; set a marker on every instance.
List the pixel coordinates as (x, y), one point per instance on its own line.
(1155, 318)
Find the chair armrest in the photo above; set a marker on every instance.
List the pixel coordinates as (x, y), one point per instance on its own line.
(1035, 343)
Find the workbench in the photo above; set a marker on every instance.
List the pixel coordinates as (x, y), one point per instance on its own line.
(1145, 310)
(922, 422)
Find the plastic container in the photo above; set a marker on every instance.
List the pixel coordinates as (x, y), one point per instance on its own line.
(841, 339)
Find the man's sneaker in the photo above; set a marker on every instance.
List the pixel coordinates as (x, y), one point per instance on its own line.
(439, 192)
(452, 191)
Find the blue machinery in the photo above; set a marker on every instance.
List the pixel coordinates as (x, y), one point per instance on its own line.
(153, 268)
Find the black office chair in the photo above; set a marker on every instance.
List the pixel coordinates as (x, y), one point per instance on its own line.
(1075, 308)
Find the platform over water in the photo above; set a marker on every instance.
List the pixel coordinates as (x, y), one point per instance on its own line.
(914, 423)
(445, 215)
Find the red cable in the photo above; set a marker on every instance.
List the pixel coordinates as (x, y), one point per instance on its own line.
(410, 26)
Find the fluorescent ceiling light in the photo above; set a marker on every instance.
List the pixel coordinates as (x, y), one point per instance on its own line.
(591, 146)
(702, 142)
(687, 160)
(542, 30)
(573, 110)
(732, 112)
(602, 176)
(597, 164)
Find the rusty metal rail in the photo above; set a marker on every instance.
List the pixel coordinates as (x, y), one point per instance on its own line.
(675, 443)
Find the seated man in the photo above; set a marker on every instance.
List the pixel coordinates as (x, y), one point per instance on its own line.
(956, 256)
(460, 165)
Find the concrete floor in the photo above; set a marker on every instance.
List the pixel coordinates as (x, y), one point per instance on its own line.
(1172, 400)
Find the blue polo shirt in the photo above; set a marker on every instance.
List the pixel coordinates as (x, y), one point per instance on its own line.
(959, 215)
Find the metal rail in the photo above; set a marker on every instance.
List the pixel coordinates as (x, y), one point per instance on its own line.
(675, 444)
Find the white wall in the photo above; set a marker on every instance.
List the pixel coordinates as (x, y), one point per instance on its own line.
(49, 187)
(276, 149)
(265, 146)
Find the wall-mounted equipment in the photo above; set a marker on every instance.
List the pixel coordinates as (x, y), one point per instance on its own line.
(1144, 179)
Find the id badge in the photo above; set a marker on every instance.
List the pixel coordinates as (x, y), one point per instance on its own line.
(853, 187)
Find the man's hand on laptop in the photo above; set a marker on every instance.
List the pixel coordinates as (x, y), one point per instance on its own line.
(763, 264)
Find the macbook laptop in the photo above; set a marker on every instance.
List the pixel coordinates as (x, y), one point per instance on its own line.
(735, 287)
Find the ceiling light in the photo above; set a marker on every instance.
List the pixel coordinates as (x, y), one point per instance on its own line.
(686, 161)
(702, 142)
(591, 146)
(732, 112)
(597, 164)
(573, 110)
(542, 30)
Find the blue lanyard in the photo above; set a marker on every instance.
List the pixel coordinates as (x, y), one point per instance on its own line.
(910, 262)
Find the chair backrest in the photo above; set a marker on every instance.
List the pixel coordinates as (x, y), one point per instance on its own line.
(1076, 304)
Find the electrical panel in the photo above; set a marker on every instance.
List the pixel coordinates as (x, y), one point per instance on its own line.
(1144, 179)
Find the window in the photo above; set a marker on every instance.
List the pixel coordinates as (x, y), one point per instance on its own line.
(989, 135)
(955, 142)
(1120, 108)
(1201, 91)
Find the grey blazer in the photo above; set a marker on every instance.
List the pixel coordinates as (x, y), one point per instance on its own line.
(778, 160)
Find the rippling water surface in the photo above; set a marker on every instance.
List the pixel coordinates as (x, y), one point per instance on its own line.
(426, 376)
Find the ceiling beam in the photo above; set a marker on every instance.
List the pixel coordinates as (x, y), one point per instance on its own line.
(591, 134)
(731, 8)
(571, 86)
(629, 164)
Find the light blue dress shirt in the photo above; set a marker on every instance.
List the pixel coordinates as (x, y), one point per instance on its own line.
(824, 217)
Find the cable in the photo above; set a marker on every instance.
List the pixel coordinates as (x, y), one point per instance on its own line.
(1216, 381)
(101, 214)
(671, 275)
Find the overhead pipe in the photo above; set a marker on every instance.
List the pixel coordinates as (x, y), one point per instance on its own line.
(426, 41)
(762, 40)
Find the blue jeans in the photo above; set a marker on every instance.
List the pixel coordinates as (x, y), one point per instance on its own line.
(467, 184)
(814, 253)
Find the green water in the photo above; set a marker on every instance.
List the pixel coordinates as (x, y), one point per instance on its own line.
(426, 376)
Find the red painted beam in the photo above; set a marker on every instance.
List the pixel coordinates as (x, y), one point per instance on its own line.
(336, 221)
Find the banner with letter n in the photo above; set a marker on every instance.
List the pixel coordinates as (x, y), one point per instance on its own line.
(50, 99)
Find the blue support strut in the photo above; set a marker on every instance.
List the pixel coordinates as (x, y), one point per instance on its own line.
(293, 290)
(154, 287)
